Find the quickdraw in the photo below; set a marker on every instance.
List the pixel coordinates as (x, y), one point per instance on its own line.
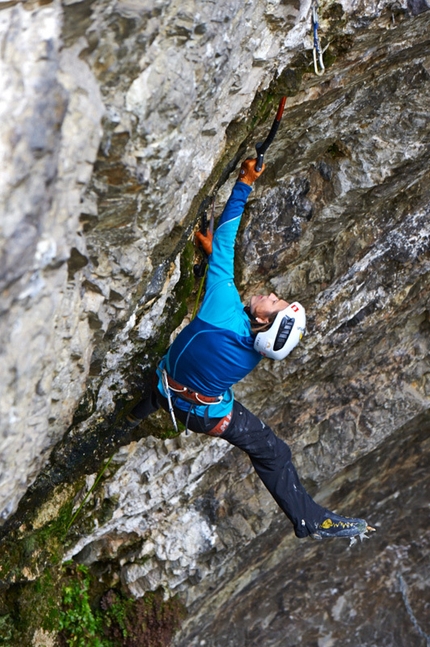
(317, 51)
(166, 388)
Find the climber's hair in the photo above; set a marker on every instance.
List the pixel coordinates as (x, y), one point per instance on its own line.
(257, 326)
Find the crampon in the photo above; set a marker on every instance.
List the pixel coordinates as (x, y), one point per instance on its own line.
(361, 536)
(333, 525)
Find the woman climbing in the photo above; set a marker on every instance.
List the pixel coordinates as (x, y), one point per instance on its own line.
(219, 347)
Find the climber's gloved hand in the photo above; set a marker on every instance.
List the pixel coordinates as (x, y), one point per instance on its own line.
(205, 241)
(248, 174)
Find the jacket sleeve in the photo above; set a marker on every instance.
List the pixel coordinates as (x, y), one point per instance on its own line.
(221, 304)
(221, 261)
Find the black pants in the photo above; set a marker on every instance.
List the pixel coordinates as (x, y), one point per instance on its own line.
(270, 457)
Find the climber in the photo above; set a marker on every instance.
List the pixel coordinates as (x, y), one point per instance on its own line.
(221, 345)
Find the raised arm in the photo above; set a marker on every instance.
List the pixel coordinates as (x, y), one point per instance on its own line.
(221, 259)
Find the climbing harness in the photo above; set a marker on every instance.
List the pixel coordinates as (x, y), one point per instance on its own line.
(194, 398)
(261, 147)
(189, 395)
(317, 51)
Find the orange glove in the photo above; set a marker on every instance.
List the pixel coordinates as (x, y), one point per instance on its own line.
(205, 241)
(248, 174)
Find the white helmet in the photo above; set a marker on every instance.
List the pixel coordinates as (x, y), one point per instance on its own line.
(284, 334)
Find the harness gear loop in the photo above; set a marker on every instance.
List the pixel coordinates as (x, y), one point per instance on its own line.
(189, 395)
(166, 388)
(193, 397)
(316, 51)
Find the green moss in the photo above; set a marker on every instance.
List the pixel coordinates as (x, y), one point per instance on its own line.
(183, 289)
(115, 619)
(31, 572)
(337, 150)
(169, 432)
(66, 600)
(6, 629)
(28, 606)
(79, 625)
(117, 608)
(150, 621)
(40, 593)
(186, 284)
(290, 80)
(27, 552)
(329, 58)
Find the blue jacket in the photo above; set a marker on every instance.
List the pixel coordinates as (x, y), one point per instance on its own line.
(216, 349)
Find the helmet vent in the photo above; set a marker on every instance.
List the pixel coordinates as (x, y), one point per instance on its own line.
(285, 328)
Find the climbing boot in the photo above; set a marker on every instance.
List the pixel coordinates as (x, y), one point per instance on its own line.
(333, 525)
(141, 411)
(132, 421)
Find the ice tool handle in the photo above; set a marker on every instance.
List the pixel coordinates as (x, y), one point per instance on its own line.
(262, 147)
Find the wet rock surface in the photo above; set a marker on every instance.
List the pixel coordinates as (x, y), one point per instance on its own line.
(123, 119)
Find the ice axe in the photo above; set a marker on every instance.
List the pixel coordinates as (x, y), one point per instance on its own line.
(261, 147)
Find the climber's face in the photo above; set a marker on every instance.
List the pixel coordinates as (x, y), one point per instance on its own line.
(264, 308)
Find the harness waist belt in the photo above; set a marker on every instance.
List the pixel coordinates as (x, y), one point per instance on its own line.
(192, 396)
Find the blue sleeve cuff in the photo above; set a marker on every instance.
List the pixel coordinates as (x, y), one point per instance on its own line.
(236, 202)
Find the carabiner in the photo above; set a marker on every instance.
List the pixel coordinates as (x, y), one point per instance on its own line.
(318, 58)
(316, 52)
(166, 388)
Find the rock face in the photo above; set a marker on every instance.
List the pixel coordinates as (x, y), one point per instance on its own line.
(282, 593)
(118, 120)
